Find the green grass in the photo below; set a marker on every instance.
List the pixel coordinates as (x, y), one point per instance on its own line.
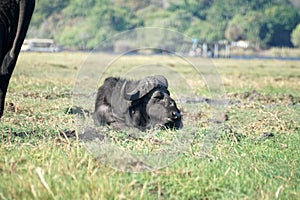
(38, 162)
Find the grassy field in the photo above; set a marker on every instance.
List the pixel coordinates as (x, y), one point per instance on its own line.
(256, 156)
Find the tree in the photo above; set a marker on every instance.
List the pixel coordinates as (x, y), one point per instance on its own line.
(245, 27)
(197, 8)
(278, 23)
(260, 5)
(204, 31)
(236, 28)
(86, 30)
(81, 8)
(296, 36)
(178, 20)
(83, 23)
(46, 8)
(221, 12)
(133, 5)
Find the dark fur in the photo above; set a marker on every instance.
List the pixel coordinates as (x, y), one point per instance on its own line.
(14, 21)
(155, 109)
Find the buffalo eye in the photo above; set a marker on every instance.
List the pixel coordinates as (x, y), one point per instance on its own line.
(158, 95)
(172, 103)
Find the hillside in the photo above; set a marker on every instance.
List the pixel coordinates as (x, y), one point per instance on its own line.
(82, 24)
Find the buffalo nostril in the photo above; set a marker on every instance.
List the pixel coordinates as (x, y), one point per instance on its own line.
(176, 115)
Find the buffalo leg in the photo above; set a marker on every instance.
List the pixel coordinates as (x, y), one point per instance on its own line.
(4, 80)
(18, 19)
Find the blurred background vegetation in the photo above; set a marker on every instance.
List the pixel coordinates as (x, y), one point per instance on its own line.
(82, 24)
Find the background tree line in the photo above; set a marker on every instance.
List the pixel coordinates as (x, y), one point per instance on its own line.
(82, 24)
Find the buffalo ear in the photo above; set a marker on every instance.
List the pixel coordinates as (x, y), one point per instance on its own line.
(142, 87)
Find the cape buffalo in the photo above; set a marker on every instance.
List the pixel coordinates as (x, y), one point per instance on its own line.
(15, 17)
(141, 104)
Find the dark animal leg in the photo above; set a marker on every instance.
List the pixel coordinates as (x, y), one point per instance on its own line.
(26, 8)
(4, 80)
(2, 77)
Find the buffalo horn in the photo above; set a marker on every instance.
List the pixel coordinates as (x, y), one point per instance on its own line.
(143, 87)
